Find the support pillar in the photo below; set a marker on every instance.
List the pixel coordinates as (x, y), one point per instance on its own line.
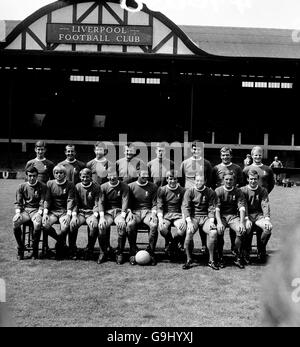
(266, 143)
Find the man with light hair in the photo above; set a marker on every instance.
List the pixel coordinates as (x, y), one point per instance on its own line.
(266, 174)
(58, 207)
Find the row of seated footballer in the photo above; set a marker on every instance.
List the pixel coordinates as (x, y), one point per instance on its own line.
(46, 252)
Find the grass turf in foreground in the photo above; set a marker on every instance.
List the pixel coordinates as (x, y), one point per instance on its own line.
(82, 293)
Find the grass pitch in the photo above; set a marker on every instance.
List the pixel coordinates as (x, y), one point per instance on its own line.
(82, 293)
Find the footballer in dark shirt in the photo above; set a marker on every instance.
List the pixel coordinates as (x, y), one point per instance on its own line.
(29, 205)
(58, 207)
(230, 212)
(257, 214)
(169, 212)
(199, 206)
(115, 199)
(86, 211)
(72, 165)
(142, 203)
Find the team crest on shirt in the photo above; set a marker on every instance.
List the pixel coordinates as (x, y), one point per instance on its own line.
(257, 197)
(36, 193)
(264, 173)
(233, 197)
(64, 191)
(146, 193)
(204, 199)
(45, 167)
(90, 195)
(119, 193)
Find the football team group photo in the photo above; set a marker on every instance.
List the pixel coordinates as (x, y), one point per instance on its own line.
(192, 197)
(149, 165)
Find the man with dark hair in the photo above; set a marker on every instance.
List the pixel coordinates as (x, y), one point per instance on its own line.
(99, 167)
(199, 205)
(257, 215)
(159, 166)
(218, 174)
(59, 204)
(113, 210)
(143, 209)
(230, 212)
(72, 165)
(195, 164)
(247, 160)
(189, 168)
(43, 165)
(86, 211)
(100, 164)
(29, 206)
(169, 212)
(225, 165)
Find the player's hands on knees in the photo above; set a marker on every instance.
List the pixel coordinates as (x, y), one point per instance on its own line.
(248, 224)
(17, 218)
(182, 225)
(67, 220)
(242, 228)
(220, 228)
(268, 225)
(94, 222)
(37, 219)
(121, 224)
(74, 222)
(102, 223)
(212, 225)
(190, 227)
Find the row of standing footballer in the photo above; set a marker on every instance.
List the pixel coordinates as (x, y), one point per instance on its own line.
(127, 195)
